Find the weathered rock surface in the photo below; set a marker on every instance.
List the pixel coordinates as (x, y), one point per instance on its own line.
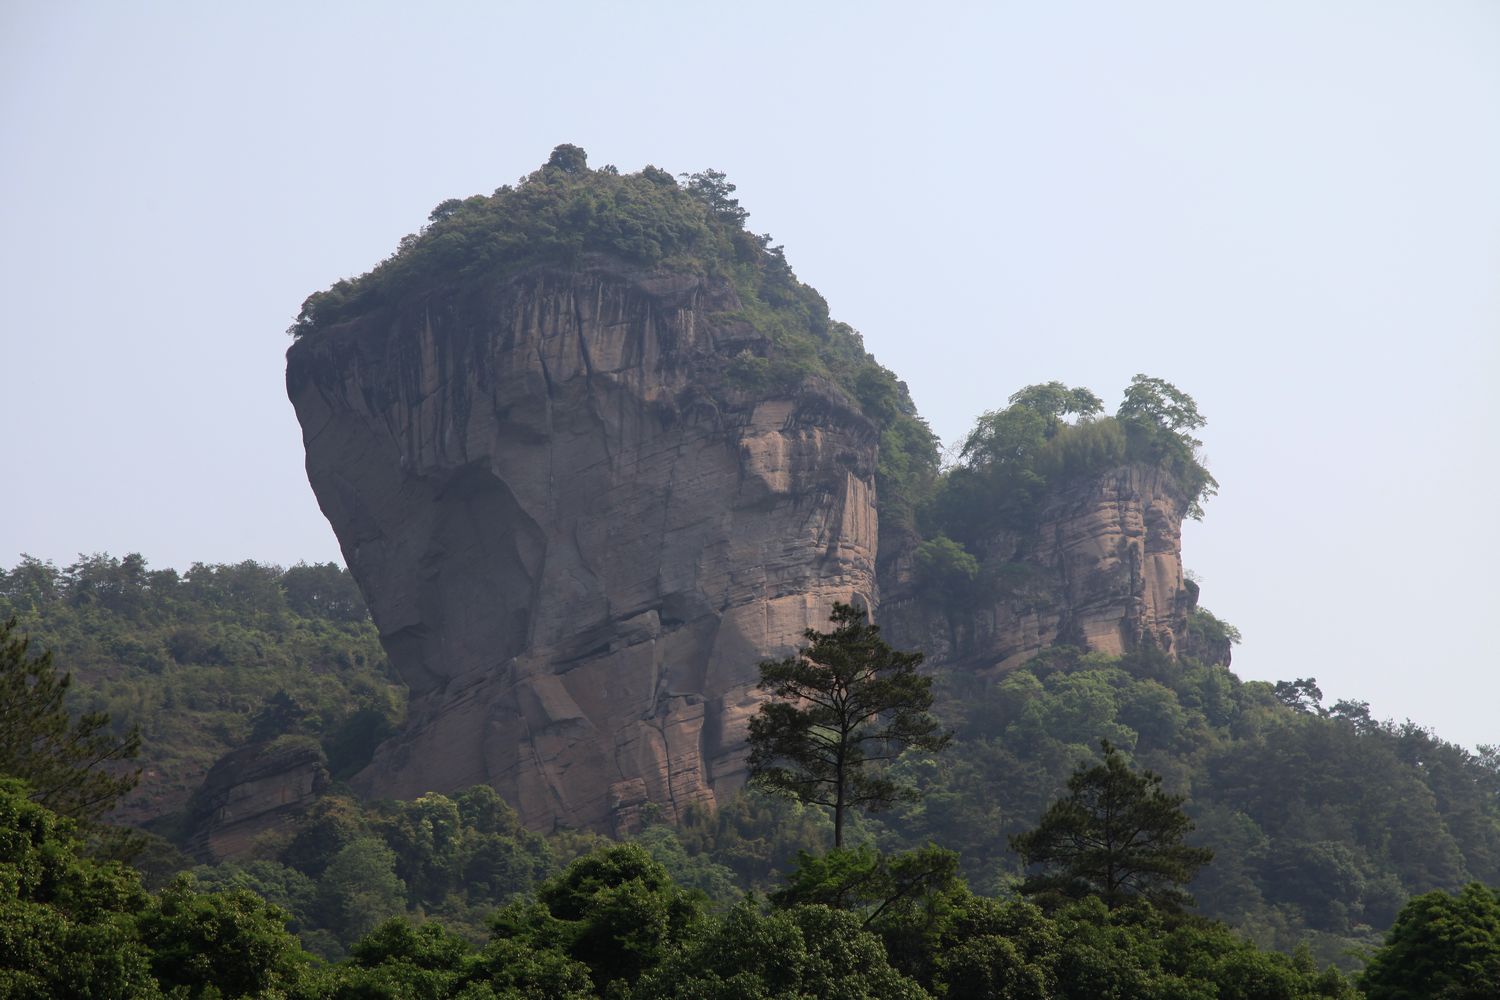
(1101, 571)
(576, 538)
(252, 791)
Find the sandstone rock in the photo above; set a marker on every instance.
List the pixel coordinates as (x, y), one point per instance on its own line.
(1102, 571)
(252, 791)
(576, 537)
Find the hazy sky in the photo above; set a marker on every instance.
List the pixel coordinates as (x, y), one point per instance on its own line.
(1290, 210)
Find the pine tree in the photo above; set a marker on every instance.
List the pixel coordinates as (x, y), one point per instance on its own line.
(842, 704)
(72, 766)
(1116, 836)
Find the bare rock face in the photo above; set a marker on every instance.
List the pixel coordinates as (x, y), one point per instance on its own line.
(1101, 571)
(253, 791)
(576, 537)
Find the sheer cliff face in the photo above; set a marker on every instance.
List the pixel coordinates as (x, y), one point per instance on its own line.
(575, 553)
(1101, 571)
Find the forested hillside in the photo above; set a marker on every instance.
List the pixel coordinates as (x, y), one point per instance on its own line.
(209, 660)
(1323, 821)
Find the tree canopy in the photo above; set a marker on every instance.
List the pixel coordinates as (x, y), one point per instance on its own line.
(1442, 945)
(1115, 836)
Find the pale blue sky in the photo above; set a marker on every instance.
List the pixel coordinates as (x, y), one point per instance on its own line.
(1291, 210)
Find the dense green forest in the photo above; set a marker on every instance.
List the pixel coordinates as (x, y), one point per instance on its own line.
(1323, 821)
(196, 659)
(616, 923)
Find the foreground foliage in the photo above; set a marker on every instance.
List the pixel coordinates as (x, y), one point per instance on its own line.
(613, 924)
(1322, 820)
(1442, 946)
(449, 896)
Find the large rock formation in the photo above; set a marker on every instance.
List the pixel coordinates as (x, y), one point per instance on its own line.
(581, 515)
(576, 536)
(1100, 570)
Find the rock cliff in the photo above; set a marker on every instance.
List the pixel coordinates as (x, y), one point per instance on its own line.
(253, 791)
(1100, 570)
(592, 452)
(576, 536)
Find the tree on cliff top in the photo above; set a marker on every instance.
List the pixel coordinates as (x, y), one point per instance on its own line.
(1016, 459)
(71, 765)
(843, 704)
(1159, 419)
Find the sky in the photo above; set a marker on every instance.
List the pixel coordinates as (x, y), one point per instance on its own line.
(1291, 210)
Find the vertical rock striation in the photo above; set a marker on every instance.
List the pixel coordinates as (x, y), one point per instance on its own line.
(576, 536)
(1102, 570)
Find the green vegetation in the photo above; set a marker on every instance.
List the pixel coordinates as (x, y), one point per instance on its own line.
(1116, 836)
(613, 924)
(75, 767)
(843, 706)
(205, 661)
(1322, 822)
(565, 214)
(74, 926)
(1015, 459)
(1442, 946)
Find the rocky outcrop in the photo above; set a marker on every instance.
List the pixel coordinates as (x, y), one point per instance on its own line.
(253, 791)
(576, 536)
(1101, 570)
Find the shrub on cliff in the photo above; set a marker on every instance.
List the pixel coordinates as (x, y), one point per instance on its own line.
(1015, 458)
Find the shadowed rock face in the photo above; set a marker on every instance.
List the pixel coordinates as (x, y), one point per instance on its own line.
(253, 791)
(575, 550)
(1101, 571)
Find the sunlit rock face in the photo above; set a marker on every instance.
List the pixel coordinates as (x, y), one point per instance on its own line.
(576, 537)
(1101, 570)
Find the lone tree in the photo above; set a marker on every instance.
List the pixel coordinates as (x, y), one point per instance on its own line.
(1116, 836)
(844, 703)
(72, 765)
